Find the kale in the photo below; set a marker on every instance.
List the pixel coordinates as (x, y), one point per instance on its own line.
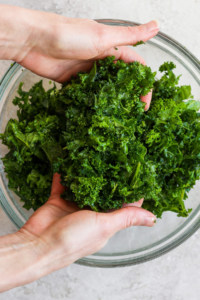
(109, 151)
(139, 43)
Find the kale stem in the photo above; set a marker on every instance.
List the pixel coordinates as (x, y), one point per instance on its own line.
(135, 176)
(181, 199)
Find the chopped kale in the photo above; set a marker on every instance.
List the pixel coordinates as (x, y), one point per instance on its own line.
(109, 151)
(139, 43)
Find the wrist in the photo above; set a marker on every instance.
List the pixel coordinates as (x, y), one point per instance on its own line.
(48, 252)
(25, 257)
(56, 252)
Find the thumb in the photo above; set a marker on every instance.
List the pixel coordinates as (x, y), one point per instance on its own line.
(57, 189)
(126, 217)
(128, 35)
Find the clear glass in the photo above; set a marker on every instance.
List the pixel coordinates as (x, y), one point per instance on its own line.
(137, 244)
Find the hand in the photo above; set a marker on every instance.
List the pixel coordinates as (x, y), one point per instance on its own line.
(69, 233)
(58, 234)
(57, 47)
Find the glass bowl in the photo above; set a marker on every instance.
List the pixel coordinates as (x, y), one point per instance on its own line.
(136, 244)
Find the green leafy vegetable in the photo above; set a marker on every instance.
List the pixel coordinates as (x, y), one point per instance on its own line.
(138, 43)
(95, 133)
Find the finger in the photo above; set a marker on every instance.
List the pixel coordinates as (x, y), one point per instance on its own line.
(127, 54)
(124, 53)
(122, 35)
(147, 100)
(59, 70)
(136, 204)
(81, 66)
(124, 218)
(57, 188)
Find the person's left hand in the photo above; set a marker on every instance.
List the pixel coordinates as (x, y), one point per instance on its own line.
(70, 233)
(57, 47)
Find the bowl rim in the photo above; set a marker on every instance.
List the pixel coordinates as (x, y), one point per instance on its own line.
(94, 261)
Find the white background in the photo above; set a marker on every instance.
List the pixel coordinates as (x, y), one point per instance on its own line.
(174, 276)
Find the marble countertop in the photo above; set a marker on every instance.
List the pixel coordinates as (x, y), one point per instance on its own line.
(174, 275)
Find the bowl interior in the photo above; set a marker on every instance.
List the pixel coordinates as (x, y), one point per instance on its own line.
(134, 244)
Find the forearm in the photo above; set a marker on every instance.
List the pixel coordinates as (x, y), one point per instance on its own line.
(24, 260)
(22, 30)
(19, 261)
(14, 31)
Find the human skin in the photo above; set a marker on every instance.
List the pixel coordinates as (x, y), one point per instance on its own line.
(59, 233)
(57, 47)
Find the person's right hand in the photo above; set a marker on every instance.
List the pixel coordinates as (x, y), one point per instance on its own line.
(57, 47)
(58, 234)
(65, 233)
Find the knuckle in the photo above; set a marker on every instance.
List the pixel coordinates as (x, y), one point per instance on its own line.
(104, 223)
(138, 32)
(130, 29)
(130, 220)
(100, 38)
(106, 228)
(139, 29)
(55, 38)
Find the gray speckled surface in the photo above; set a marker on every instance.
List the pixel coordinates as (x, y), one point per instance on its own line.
(173, 276)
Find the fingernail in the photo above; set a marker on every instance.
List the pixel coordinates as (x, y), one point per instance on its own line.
(152, 26)
(150, 221)
(136, 204)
